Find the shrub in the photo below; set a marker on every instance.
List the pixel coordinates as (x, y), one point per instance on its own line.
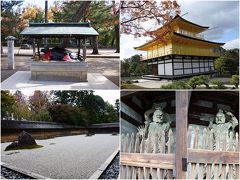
(219, 84)
(176, 85)
(197, 81)
(235, 80)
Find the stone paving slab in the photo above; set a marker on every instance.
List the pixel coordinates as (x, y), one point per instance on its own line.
(70, 157)
(21, 80)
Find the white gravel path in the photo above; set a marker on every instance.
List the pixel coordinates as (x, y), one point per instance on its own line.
(64, 157)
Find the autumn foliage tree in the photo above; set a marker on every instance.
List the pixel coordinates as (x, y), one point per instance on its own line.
(140, 18)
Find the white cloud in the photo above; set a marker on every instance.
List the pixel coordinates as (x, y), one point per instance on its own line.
(222, 16)
(232, 44)
(127, 44)
(108, 95)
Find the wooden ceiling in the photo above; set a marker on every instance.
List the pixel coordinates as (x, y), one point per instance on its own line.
(147, 98)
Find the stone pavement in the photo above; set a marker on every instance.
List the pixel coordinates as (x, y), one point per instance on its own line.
(69, 157)
(21, 80)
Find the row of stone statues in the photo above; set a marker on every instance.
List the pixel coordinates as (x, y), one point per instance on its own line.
(159, 123)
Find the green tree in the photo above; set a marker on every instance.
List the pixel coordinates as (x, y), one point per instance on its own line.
(10, 18)
(133, 66)
(67, 114)
(228, 63)
(7, 103)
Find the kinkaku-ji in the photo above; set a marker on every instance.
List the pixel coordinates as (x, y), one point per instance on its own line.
(181, 51)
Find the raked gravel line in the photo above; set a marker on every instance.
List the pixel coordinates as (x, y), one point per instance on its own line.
(64, 157)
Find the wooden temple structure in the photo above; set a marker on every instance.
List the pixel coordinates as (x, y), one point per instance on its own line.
(190, 150)
(55, 69)
(182, 52)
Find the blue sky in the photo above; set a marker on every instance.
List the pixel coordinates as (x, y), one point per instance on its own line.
(224, 15)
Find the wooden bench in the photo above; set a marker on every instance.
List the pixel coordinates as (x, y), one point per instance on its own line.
(59, 71)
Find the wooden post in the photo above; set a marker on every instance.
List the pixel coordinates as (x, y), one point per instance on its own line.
(182, 103)
(38, 48)
(79, 44)
(33, 46)
(84, 49)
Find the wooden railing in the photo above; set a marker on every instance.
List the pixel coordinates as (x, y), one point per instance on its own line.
(211, 157)
(145, 159)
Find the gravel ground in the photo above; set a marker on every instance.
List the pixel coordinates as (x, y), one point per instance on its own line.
(10, 174)
(64, 157)
(112, 171)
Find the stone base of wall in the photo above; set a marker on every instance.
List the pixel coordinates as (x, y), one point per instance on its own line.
(59, 71)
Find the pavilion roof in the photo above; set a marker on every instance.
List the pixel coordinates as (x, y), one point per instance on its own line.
(59, 30)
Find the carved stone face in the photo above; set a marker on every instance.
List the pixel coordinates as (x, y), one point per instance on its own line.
(158, 116)
(220, 117)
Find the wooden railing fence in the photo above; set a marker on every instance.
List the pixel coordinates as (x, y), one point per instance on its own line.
(145, 159)
(212, 157)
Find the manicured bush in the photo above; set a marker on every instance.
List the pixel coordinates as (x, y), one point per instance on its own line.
(235, 80)
(197, 81)
(219, 84)
(176, 85)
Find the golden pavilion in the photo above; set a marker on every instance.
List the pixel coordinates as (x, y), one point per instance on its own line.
(183, 51)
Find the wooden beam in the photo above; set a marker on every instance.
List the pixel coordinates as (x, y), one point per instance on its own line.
(201, 109)
(130, 119)
(210, 156)
(182, 102)
(134, 106)
(163, 161)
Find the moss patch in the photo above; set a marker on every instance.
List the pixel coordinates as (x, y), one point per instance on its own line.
(25, 147)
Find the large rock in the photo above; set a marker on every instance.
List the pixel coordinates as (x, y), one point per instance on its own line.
(11, 146)
(24, 139)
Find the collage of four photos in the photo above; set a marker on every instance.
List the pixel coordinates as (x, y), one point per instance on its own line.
(120, 89)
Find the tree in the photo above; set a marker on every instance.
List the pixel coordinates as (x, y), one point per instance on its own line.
(67, 114)
(38, 104)
(94, 105)
(133, 66)
(228, 63)
(102, 15)
(135, 13)
(21, 109)
(10, 18)
(7, 103)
